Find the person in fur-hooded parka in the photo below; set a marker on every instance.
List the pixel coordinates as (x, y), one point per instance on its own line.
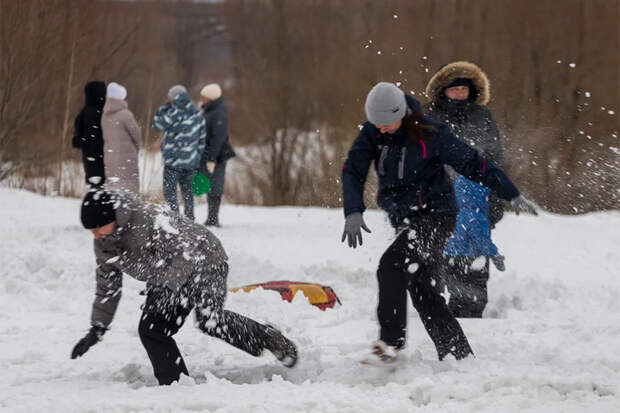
(469, 119)
(459, 93)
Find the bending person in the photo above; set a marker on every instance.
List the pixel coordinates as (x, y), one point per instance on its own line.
(184, 266)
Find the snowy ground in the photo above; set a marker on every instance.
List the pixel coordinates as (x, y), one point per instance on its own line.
(550, 341)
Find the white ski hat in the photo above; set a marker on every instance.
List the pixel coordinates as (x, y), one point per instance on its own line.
(212, 91)
(116, 91)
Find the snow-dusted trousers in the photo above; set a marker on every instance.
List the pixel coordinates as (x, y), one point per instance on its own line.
(411, 264)
(165, 311)
(183, 178)
(465, 279)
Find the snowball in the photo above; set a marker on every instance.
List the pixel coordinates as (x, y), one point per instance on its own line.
(413, 267)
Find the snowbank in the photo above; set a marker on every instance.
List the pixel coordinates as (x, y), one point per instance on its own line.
(549, 341)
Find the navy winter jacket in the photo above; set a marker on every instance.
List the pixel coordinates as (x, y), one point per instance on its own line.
(216, 124)
(472, 235)
(412, 177)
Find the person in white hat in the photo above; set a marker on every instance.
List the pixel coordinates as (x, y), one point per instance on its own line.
(217, 150)
(122, 140)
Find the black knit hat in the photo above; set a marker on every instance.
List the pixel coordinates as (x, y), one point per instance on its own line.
(97, 209)
(463, 81)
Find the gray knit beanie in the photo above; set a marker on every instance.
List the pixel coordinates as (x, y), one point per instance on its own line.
(385, 104)
(176, 90)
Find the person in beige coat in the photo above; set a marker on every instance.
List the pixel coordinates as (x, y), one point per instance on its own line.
(122, 137)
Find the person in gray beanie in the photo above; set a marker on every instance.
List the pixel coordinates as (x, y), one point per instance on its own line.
(184, 266)
(409, 152)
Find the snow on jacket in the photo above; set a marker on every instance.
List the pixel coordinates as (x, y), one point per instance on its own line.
(122, 140)
(472, 235)
(412, 178)
(184, 133)
(218, 148)
(469, 120)
(88, 136)
(154, 245)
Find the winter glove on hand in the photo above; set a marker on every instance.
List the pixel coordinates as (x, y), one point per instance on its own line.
(498, 261)
(211, 167)
(521, 204)
(89, 340)
(352, 231)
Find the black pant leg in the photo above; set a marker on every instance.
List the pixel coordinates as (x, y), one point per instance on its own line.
(186, 179)
(393, 283)
(235, 329)
(426, 250)
(170, 188)
(467, 286)
(161, 319)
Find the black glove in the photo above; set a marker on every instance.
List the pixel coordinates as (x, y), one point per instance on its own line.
(90, 339)
(352, 229)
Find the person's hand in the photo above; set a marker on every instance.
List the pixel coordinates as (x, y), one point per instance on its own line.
(498, 261)
(211, 167)
(521, 204)
(90, 339)
(352, 229)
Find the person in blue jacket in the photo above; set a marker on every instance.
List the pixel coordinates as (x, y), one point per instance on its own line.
(409, 152)
(466, 270)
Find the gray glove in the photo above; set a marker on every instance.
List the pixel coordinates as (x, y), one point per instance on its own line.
(521, 204)
(352, 231)
(498, 261)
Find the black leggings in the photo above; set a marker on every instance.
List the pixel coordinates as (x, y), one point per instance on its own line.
(165, 311)
(411, 263)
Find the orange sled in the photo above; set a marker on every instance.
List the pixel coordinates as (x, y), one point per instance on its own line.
(319, 295)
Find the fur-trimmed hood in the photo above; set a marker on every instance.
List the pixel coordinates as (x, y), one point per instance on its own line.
(453, 70)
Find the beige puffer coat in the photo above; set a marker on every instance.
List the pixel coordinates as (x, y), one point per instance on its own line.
(121, 144)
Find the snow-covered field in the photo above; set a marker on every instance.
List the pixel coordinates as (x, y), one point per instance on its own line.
(549, 342)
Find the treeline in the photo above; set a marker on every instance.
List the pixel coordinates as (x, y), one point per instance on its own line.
(296, 73)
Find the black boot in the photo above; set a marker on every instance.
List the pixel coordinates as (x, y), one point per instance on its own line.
(214, 211)
(281, 347)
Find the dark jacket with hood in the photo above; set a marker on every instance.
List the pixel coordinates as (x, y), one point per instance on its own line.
(218, 148)
(412, 177)
(88, 136)
(469, 120)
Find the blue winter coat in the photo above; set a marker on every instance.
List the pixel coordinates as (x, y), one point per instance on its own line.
(412, 178)
(472, 236)
(184, 133)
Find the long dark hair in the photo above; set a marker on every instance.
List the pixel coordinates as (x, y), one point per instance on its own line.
(417, 129)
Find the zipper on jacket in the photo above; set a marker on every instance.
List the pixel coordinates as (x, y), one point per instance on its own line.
(401, 163)
(382, 157)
